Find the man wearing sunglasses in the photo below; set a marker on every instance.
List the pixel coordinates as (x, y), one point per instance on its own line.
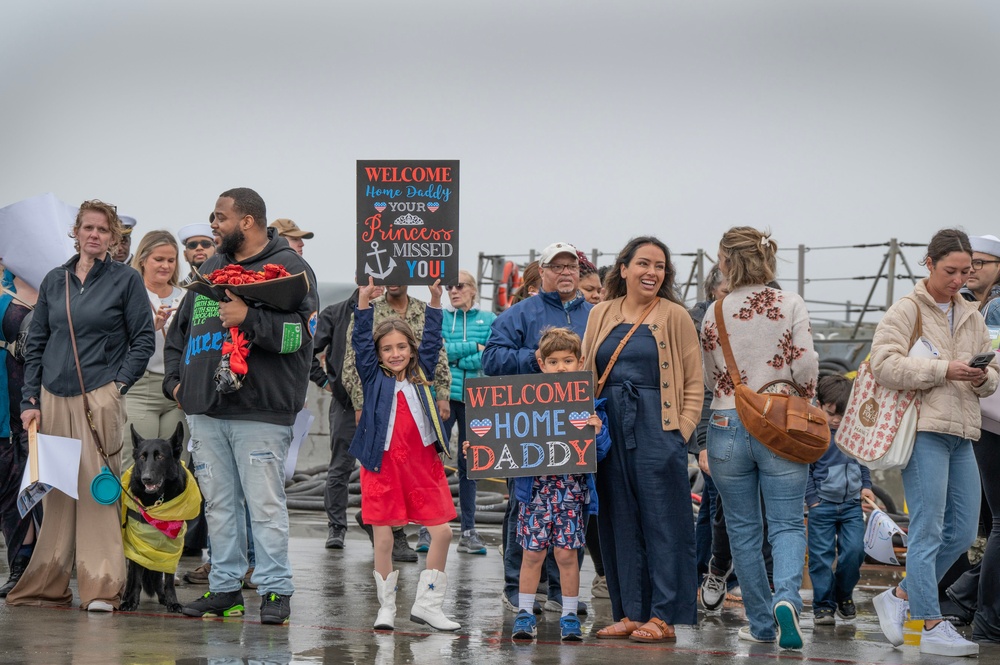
(198, 245)
(982, 283)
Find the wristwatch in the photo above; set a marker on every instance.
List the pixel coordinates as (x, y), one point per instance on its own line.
(122, 388)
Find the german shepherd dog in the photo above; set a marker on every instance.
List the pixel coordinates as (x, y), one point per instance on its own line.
(158, 476)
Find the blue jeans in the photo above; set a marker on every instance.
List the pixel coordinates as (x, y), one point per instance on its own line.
(251, 557)
(744, 470)
(942, 487)
(466, 487)
(240, 466)
(836, 533)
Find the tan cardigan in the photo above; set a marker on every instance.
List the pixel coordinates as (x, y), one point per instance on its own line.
(682, 389)
(947, 407)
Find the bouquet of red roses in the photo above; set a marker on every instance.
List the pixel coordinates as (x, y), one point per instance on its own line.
(233, 365)
(236, 275)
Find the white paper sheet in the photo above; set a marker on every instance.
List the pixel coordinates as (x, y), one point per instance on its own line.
(878, 537)
(58, 468)
(300, 430)
(34, 236)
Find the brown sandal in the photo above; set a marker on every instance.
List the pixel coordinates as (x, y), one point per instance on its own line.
(618, 631)
(654, 630)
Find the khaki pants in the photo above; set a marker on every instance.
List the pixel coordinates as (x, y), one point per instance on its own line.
(83, 532)
(153, 415)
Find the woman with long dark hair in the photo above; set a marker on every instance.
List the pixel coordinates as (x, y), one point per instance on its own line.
(642, 344)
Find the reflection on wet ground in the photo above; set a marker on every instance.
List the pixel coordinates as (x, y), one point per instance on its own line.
(334, 606)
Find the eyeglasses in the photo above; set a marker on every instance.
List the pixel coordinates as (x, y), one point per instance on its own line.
(195, 244)
(562, 267)
(457, 287)
(977, 264)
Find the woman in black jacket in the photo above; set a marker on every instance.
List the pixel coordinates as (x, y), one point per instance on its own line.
(113, 325)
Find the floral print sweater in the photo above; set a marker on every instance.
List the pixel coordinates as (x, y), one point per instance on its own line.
(771, 340)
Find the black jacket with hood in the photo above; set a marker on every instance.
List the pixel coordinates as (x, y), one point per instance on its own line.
(274, 389)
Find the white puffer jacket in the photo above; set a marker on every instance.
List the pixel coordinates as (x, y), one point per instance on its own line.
(946, 407)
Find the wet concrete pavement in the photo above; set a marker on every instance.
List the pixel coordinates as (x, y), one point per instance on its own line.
(334, 606)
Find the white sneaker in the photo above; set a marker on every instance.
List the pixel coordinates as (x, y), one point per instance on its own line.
(100, 606)
(713, 587)
(747, 636)
(944, 640)
(891, 615)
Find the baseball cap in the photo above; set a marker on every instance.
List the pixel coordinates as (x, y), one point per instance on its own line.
(192, 230)
(286, 227)
(554, 250)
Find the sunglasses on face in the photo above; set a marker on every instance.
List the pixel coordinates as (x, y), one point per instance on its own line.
(457, 287)
(195, 244)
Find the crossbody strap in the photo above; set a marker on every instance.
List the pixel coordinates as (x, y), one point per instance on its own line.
(621, 345)
(727, 350)
(918, 328)
(79, 374)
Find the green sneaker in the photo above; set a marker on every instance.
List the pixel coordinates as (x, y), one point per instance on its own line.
(213, 604)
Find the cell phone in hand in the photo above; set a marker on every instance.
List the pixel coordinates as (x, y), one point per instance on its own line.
(981, 360)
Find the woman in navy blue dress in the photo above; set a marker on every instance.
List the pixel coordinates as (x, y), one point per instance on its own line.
(654, 392)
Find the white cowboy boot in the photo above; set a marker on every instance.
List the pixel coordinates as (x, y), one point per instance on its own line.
(430, 596)
(386, 618)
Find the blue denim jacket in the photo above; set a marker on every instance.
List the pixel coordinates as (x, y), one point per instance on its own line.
(380, 388)
(522, 485)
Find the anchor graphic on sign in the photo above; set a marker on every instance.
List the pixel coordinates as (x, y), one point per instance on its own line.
(376, 252)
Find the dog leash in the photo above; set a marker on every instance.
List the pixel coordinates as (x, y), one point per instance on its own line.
(83, 389)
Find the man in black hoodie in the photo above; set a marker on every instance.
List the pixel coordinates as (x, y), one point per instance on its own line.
(240, 439)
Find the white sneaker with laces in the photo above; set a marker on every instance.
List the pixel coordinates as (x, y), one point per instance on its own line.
(891, 612)
(713, 587)
(944, 640)
(747, 636)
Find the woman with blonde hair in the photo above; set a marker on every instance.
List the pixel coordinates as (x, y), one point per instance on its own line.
(149, 411)
(768, 331)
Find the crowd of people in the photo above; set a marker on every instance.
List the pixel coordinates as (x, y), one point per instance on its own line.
(110, 343)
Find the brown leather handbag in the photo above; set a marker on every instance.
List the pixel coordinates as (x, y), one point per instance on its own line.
(790, 425)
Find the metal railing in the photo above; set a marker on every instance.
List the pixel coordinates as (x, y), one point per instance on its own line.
(490, 272)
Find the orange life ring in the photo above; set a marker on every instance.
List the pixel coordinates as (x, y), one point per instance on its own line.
(509, 282)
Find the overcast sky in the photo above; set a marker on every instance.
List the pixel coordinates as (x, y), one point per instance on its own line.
(832, 123)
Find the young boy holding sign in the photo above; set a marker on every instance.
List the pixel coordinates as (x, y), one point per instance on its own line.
(553, 509)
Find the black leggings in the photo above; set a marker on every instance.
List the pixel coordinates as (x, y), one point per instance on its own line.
(986, 625)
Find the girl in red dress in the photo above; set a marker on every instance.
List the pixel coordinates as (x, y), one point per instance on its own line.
(398, 440)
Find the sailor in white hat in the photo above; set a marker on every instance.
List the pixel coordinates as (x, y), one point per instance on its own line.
(124, 252)
(199, 246)
(982, 283)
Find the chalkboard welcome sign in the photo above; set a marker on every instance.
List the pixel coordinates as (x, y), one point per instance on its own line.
(407, 221)
(530, 425)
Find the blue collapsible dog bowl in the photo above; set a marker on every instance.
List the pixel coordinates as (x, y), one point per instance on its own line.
(105, 488)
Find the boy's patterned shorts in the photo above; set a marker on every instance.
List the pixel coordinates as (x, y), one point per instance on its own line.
(554, 516)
